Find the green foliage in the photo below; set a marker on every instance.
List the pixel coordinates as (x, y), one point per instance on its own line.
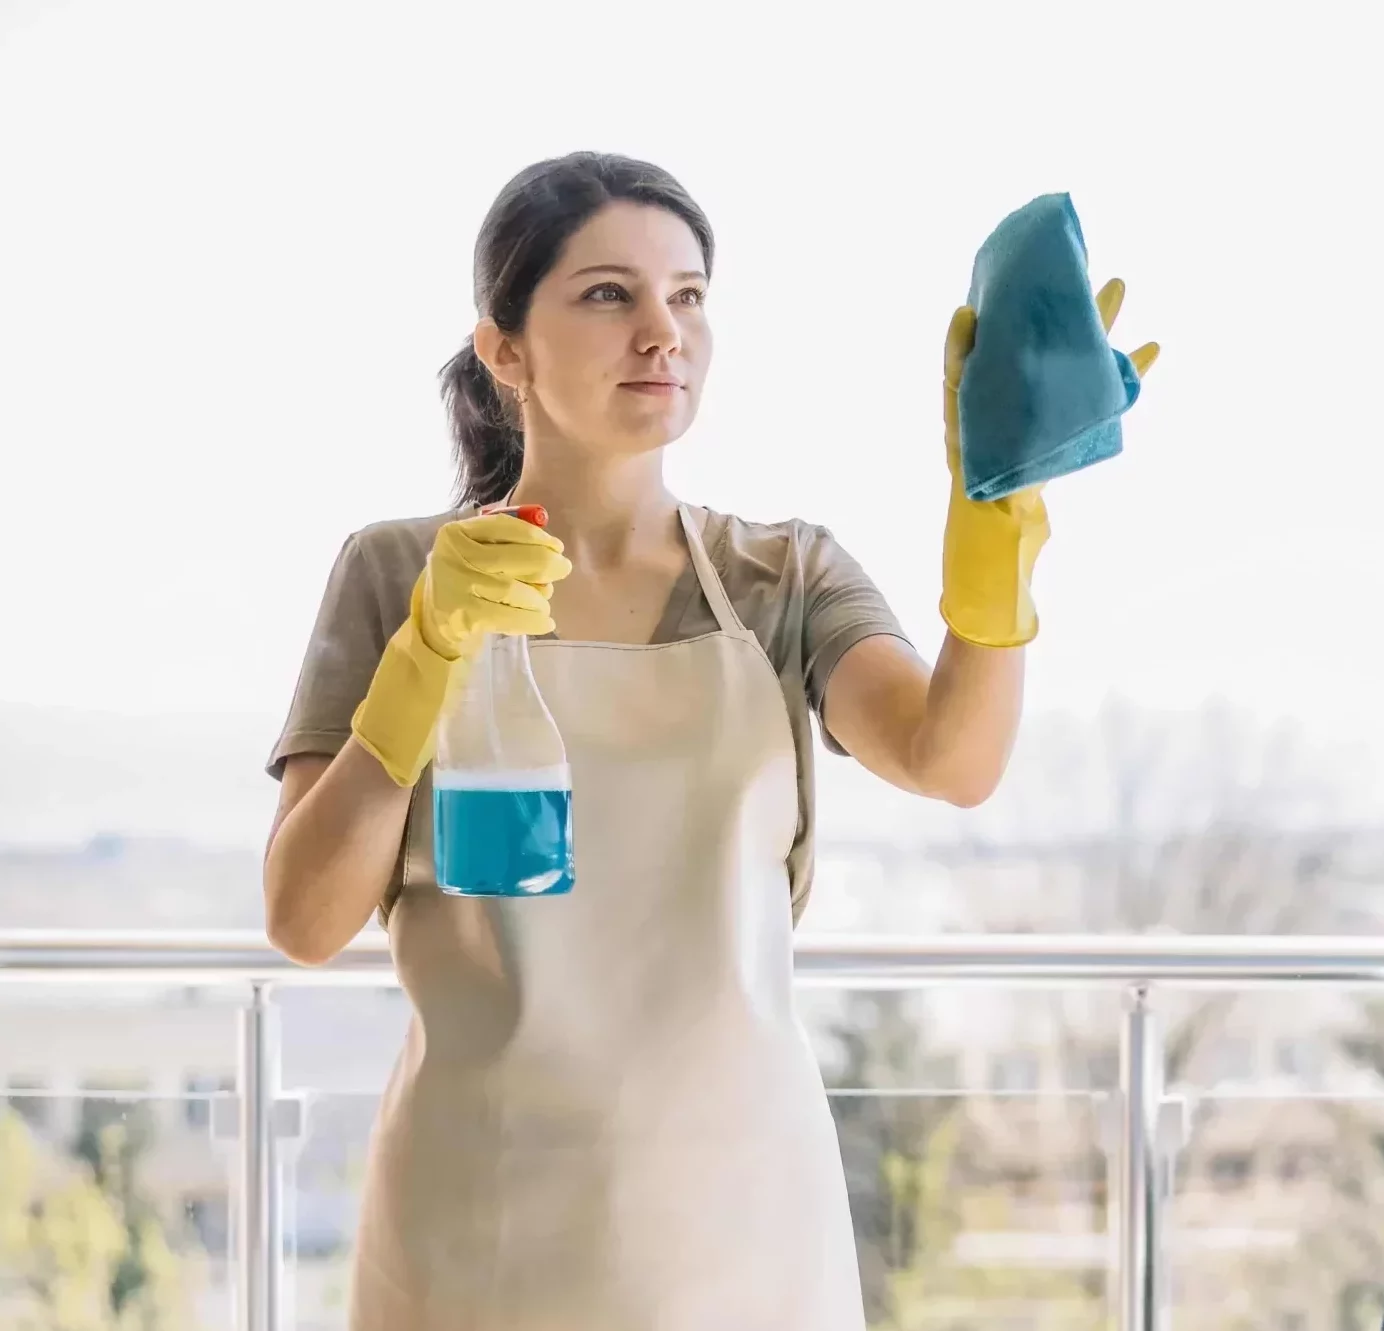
(912, 1157)
(935, 1204)
(81, 1247)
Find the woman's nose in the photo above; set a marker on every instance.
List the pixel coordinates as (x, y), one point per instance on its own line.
(658, 329)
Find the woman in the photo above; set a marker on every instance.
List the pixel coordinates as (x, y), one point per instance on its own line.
(606, 1116)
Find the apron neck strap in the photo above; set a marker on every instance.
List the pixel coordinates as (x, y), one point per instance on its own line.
(726, 618)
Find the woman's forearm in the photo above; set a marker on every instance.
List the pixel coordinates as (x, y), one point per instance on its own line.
(963, 741)
(331, 858)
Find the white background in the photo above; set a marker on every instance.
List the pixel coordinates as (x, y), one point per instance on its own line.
(235, 248)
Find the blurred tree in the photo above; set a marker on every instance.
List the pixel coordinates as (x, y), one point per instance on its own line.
(1139, 822)
(918, 1168)
(1209, 823)
(80, 1249)
(1199, 822)
(887, 1129)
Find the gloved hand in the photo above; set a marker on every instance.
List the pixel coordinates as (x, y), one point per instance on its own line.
(989, 548)
(493, 573)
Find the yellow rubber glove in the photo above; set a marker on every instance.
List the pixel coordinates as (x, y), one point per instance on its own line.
(989, 548)
(488, 574)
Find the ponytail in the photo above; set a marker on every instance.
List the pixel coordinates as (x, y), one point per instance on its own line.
(487, 444)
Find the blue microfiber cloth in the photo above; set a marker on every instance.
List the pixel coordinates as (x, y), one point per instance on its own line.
(1043, 391)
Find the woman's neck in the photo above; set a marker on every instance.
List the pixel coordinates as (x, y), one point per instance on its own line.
(604, 512)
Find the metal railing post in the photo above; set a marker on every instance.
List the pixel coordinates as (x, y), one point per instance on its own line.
(259, 1219)
(1140, 1193)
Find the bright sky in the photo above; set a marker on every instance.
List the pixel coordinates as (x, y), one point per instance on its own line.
(235, 248)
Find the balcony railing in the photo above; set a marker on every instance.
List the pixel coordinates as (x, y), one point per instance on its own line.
(1132, 967)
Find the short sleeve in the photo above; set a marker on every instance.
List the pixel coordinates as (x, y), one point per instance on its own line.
(841, 606)
(342, 654)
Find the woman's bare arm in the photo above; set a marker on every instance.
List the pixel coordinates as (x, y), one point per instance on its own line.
(945, 732)
(331, 852)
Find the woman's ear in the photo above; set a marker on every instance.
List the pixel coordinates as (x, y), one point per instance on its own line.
(501, 355)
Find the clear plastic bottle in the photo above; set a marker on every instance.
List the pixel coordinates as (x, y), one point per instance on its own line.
(502, 789)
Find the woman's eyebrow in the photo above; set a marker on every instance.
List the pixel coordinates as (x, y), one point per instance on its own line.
(690, 275)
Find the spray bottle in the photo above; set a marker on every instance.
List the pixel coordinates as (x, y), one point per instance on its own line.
(502, 789)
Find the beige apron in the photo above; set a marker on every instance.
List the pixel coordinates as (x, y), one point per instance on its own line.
(606, 1115)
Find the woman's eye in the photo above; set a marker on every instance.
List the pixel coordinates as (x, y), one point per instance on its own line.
(612, 293)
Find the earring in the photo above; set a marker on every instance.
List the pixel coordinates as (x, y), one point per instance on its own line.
(522, 394)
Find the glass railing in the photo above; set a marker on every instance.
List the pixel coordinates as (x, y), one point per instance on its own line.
(1037, 1132)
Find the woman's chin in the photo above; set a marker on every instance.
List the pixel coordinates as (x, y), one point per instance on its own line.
(654, 431)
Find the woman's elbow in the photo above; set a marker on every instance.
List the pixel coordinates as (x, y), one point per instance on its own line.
(291, 930)
(301, 949)
(963, 785)
(302, 945)
(970, 796)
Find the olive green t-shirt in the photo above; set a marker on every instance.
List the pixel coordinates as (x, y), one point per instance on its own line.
(805, 599)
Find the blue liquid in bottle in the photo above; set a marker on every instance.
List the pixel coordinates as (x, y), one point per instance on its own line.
(503, 834)
(502, 789)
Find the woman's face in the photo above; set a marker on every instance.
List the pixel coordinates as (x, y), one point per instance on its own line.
(616, 346)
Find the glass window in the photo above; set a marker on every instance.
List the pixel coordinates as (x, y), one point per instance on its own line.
(1014, 1072)
(27, 1096)
(199, 1090)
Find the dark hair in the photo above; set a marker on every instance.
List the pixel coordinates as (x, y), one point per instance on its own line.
(519, 242)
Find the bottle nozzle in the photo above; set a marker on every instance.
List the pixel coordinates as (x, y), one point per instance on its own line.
(534, 514)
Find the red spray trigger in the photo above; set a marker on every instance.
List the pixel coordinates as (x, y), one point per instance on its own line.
(534, 514)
